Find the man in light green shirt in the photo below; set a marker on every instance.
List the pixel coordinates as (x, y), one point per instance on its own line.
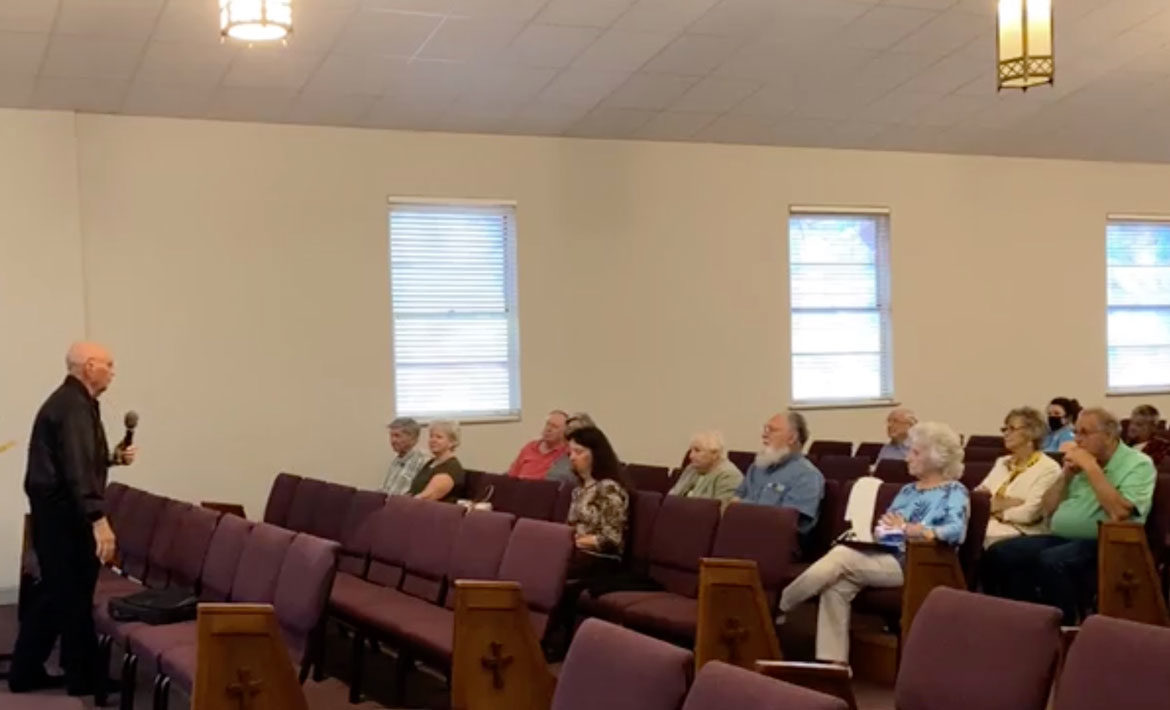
(1103, 480)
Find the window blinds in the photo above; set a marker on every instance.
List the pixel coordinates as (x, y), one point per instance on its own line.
(839, 274)
(1138, 297)
(452, 277)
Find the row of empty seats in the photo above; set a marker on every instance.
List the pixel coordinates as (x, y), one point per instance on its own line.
(220, 558)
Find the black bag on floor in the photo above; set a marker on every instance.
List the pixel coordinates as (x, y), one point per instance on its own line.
(155, 606)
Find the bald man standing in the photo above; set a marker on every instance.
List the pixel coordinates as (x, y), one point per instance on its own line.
(68, 462)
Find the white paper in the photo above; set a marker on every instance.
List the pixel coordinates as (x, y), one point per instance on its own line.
(859, 509)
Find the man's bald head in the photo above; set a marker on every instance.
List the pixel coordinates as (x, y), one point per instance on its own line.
(92, 364)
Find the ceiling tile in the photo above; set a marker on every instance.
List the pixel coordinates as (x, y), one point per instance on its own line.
(348, 74)
(272, 67)
(506, 83)
(394, 33)
(21, 52)
(856, 134)
(694, 54)
(950, 73)
(434, 7)
(550, 118)
(149, 99)
(772, 101)
(934, 4)
(467, 40)
(93, 95)
(840, 102)
(732, 128)
(762, 60)
(582, 87)
(796, 131)
(610, 123)
(617, 50)
(549, 46)
(91, 58)
(316, 28)
(894, 107)
(519, 10)
(330, 109)
(738, 18)
(675, 125)
(890, 69)
(883, 26)
(946, 33)
(184, 63)
(131, 19)
(583, 13)
(28, 15)
(649, 91)
(250, 104)
(663, 15)
(947, 110)
(16, 90)
(404, 111)
(716, 94)
(193, 22)
(428, 82)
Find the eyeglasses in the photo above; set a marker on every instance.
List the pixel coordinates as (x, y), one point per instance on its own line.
(1006, 429)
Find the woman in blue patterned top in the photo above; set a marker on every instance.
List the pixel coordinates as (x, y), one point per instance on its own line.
(935, 507)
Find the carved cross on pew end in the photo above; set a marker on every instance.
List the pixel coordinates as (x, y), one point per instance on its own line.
(496, 663)
(1127, 586)
(244, 689)
(732, 635)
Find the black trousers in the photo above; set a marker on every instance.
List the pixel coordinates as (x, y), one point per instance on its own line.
(1044, 569)
(63, 605)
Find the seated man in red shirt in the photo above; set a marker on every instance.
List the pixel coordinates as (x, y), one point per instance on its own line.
(537, 457)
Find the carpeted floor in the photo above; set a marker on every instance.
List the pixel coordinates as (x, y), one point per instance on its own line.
(423, 689)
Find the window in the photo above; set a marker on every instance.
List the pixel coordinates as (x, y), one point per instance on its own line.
(1138, 274)
(453, 297)
(839, 275)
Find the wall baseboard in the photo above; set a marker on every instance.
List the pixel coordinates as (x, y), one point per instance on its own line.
(9, 595)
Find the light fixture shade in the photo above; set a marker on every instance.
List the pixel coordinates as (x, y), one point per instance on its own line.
(1024, 44)
(255, 20)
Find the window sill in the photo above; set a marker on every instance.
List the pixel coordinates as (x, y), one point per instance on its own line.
(468, 420)
(845, 404)
(1138, 392)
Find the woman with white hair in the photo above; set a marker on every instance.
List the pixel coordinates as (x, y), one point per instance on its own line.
(708, 474)
(442, 477)
(934, 507)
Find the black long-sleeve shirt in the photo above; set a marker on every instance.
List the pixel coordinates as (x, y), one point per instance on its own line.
(68, 456)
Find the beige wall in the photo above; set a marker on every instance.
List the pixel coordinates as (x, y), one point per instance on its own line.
(240, 272)
(41, 292)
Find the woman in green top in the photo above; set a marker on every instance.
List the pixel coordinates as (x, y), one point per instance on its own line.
(442, 477)
(708, 474)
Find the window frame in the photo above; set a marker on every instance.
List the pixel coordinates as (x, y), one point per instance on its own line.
(884, 309)
(511, 300)
(1139, 391)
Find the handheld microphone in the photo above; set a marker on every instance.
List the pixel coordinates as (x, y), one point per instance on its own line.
(131, 422)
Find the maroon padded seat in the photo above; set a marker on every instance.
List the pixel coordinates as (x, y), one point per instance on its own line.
(829, 448)
(189, 548)
(1115, 663)
(893, 471)
(830, 523)
(536, 499)
(139, 527)
(537, 557)
(280, 498)
(644, 507)
(223, 558)
(985, 441)
(303, 509)
(564, 500)
(618, 669)
(331, 509)
(981, 453)
(260, 564)
(113, 499)
(302, 589)
(974, 472)
(843, 468)
(869, 450)
(357, 531)
(762, 533)
(479, 547)
(742, 459)
(390, 528)
(959, 637)
(683, 532)
(431, 542)
(721, 686)
(158, 556)
(644, 477)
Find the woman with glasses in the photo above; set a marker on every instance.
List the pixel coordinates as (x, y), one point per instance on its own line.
(1018, 481)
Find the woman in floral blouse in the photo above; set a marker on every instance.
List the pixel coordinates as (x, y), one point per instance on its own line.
(599, 515)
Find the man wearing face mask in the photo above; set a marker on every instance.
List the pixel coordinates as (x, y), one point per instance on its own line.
(68, 462)
(781, 475)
